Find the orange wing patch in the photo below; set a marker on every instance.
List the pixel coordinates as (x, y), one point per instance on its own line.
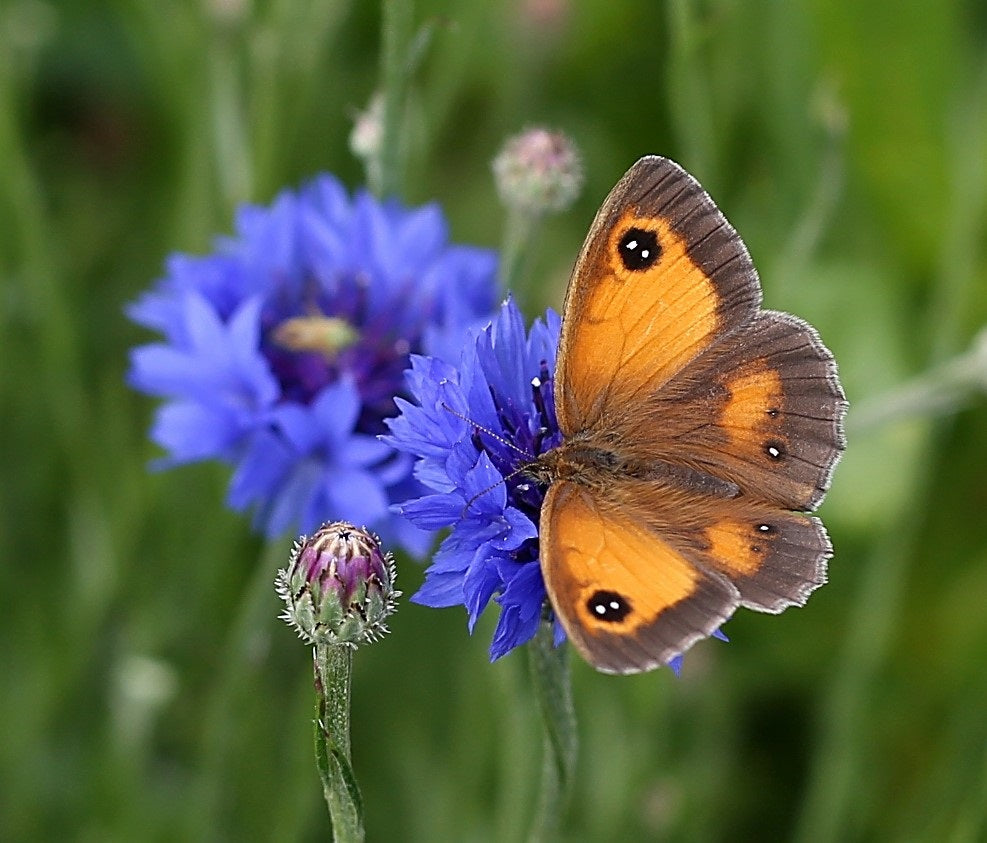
(752, 414)
(737, 547)
(774, 558)
(626, 598)
(638, 328)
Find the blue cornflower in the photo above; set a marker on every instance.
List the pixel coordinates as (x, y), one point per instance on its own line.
(502, 383)
(473, 427)
(284, 349)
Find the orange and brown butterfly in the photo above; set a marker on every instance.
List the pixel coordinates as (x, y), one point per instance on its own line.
(697, 434)
(699, 430)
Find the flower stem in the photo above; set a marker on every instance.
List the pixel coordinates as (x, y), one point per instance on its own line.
(387, 174)
(231, 142)
(520, 236)
(553, 687)
(333, 682)
(940, 390)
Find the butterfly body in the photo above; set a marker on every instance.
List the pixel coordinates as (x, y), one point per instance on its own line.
(698, 433)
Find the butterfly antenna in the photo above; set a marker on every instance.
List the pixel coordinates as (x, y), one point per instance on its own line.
(506, 442)
(489, 488)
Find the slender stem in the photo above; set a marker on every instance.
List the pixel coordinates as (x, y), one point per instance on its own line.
(232, 683)
(520, 235)
(939, 390)
(333, 684)
(387, 176)
(688, 88)
(231, 144)
(553, 687)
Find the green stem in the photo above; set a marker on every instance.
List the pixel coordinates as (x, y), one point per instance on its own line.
(386, 174)
(333, 684)
(231, 144)
(937, 391)
(520, 232)
(553, 688)
(235, 672)
(689, 89)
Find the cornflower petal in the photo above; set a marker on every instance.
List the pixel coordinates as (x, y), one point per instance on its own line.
(432, 512)
(191, 431)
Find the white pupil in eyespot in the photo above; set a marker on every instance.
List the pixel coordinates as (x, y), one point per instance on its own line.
(633, 246)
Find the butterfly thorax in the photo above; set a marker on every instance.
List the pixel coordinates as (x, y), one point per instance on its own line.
(578, 461)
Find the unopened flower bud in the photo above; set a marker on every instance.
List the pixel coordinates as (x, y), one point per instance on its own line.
(538, 172)
(338, 587)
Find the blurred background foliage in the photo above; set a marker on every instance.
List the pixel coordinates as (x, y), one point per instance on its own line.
(140, 700)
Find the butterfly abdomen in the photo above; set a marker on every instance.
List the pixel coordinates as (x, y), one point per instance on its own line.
(591, 465)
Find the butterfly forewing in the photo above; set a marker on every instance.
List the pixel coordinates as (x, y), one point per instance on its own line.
(661, 276)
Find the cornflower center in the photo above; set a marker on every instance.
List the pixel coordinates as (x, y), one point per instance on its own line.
(313, 349)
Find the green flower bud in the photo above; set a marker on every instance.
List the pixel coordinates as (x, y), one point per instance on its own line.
(338, 587)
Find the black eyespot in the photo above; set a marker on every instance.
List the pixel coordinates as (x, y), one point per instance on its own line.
(766, 529)
(608, 606)
(639, 249)
(755, 548)
(775, 449)
(773, 412)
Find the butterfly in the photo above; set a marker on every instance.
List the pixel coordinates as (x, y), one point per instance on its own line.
(699, 432)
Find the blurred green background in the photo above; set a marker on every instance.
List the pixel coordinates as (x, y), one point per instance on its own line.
(140, 699)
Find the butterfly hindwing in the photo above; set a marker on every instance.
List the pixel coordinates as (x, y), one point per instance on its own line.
(763, 409)
(776, 559)
(628, 600)
(676, 564)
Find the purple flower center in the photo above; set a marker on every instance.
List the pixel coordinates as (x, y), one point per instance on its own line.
(310, 344)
